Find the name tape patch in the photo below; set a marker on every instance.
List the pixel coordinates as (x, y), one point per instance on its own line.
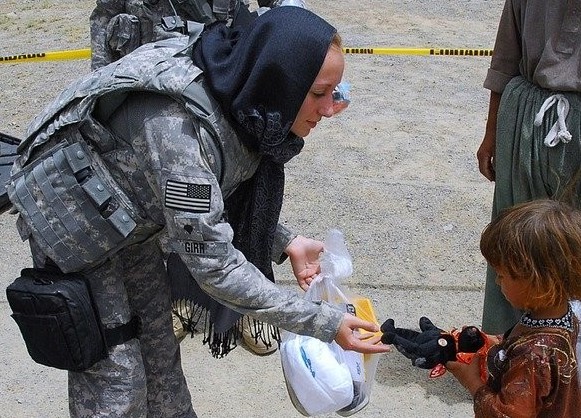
(189, 197)
(203, 248)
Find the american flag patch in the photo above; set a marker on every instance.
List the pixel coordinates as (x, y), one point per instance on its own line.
(188, 197)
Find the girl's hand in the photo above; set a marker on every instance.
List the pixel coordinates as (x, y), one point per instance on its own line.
(467, 374)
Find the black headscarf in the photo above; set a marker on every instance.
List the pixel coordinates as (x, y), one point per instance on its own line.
(260, 74)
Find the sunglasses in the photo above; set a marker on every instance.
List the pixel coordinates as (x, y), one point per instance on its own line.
(341, 97)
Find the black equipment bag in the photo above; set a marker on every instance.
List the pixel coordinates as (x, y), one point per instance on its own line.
(59, 321)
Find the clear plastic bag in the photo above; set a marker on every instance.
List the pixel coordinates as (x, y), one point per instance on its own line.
(322, 377)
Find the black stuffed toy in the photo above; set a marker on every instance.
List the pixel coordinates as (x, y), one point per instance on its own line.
(432, 347)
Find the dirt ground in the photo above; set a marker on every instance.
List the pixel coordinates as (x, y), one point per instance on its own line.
(396, 173)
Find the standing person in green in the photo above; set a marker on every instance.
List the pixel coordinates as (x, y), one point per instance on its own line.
(531, 147)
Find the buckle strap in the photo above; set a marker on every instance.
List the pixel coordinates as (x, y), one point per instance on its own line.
(123, 333)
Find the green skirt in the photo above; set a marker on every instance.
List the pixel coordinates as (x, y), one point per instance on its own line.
(527, 169)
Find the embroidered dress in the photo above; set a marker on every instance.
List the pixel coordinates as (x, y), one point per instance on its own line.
(533, 372)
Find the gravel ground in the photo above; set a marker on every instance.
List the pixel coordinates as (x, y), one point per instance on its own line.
(396, 173)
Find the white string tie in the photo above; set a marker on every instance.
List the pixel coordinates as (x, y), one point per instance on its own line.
(558, 132)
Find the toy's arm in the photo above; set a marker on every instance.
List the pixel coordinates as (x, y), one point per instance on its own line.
(403, 339)
(426, 348)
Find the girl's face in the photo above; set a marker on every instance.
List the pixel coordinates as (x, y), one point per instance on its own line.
(319, 100)
(516, 291)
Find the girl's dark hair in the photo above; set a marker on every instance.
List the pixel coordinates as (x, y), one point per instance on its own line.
(540, 242)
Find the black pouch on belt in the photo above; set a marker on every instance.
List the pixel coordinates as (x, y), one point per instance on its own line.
(59, 321)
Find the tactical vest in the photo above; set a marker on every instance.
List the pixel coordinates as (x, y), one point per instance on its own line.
(70, 203)
(207, 12)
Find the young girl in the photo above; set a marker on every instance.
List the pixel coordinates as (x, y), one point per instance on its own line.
(533, 372)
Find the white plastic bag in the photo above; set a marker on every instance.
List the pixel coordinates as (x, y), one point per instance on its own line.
(318, 380)
(322, 377)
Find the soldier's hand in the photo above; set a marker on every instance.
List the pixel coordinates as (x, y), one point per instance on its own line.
(352, 336)
(304, 254)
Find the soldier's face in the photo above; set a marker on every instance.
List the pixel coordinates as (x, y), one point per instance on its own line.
(319, 100)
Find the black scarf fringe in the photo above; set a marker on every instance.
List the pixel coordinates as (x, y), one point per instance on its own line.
(267, 336)
(220, 344)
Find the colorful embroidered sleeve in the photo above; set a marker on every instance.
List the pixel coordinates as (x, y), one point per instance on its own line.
(537, 375)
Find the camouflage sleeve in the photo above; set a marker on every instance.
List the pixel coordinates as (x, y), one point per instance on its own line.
(282, 238)
(191, 201)
(99, 20)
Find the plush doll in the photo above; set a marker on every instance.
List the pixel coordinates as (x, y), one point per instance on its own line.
(432, 347)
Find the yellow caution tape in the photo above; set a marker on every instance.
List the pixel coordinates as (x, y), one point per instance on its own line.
(74, 54)
(71, 54)
(466, 52)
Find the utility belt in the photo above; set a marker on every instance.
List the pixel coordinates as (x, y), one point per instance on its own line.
(59, 321)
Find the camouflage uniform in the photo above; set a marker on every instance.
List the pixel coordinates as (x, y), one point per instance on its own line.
(128, 164)
(120, 26)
